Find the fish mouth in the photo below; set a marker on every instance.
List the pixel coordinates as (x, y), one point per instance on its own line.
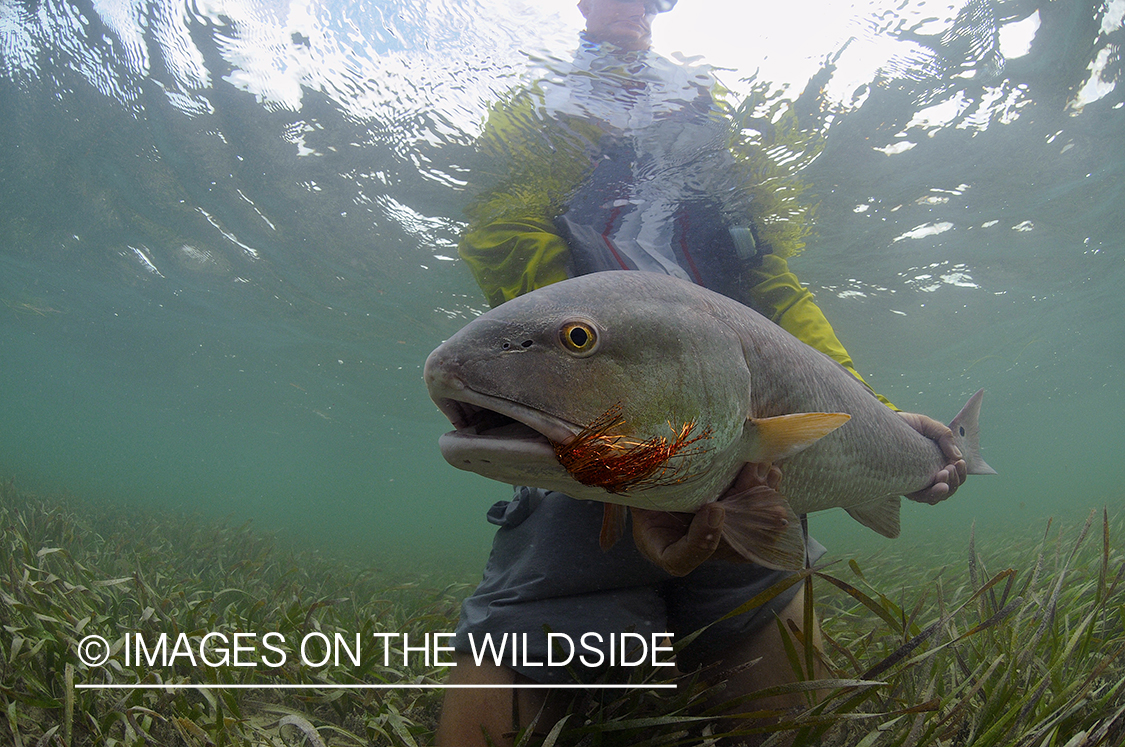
(499, 438)
(493, 436)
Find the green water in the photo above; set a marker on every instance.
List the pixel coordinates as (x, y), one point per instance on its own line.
(227, 244)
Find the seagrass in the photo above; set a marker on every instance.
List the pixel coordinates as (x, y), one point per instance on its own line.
(935, 650)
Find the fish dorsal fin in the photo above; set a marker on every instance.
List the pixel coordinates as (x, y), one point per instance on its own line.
(613, 524)
(759, 524)
(782, 436)
(880, 514)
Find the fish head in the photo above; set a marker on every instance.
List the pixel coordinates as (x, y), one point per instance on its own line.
(600, 364)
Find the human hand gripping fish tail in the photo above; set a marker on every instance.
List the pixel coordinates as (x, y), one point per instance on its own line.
(953, 474)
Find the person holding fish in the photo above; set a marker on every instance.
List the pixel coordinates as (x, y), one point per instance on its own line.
(624, 160)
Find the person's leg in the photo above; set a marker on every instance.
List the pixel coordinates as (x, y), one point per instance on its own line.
(468, 714)
(772, 667)
(546, 571)
(756, 661)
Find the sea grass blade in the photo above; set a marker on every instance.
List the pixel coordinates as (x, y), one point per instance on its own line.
(790, 650)
(963, 703)
(1103, 570)
(863, 599)
(765, 596)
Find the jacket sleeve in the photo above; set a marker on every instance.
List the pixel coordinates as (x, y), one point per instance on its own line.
(531, 163)
(774, 291)
(509, 257)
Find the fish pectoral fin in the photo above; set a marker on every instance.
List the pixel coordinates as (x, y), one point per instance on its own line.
(880, 515)
(782, 436)
(613, 525)
(760, 525)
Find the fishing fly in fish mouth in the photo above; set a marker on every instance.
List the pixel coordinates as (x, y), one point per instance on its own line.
(600, 457)
(643, 390)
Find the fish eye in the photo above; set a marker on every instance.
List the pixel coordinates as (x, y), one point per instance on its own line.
(578, 337)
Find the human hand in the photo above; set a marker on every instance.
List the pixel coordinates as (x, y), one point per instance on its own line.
(680, 542)
(947, 479)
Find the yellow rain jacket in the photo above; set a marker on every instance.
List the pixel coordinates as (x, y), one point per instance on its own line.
(536, 161)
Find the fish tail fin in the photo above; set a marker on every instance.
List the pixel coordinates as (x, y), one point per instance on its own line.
(966, 434)
(760, 525)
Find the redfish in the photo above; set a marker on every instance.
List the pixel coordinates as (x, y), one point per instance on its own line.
(639, 389)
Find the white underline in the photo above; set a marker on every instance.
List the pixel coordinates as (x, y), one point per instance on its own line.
(212, 686)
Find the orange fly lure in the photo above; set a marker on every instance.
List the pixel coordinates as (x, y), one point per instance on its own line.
(599, 457)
